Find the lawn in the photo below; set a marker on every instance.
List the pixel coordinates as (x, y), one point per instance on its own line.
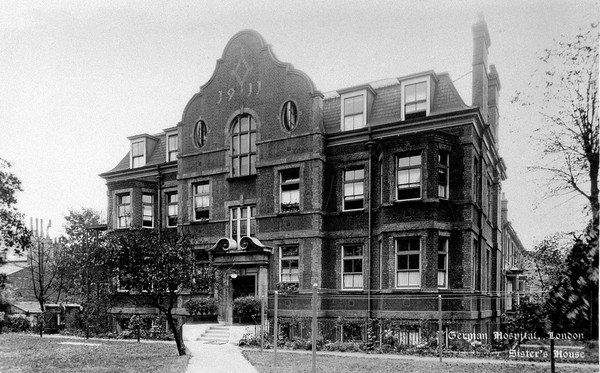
(26, 353)
(295, 362)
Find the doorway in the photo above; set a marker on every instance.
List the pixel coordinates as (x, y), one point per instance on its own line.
(243, 285)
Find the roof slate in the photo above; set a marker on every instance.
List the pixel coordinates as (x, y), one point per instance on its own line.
(158, 155)
(386, 109)
(387, 104)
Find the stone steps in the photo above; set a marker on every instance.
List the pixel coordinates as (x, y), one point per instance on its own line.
(215, 334)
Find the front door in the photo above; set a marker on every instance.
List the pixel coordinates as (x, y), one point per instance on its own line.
(243, 286)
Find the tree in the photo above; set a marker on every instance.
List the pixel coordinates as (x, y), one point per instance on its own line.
(544, 261)
(83, 281)
(13, 231)
(568, 86)
(153, 265)
(45, 278)
(573, 300)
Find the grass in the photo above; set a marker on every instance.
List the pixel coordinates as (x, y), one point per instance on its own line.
(296, 362)
(29, 353)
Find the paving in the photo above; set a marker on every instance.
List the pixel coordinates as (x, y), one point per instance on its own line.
(213, 349)
(216, 358)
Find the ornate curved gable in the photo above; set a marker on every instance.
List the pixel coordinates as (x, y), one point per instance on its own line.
(249, 76)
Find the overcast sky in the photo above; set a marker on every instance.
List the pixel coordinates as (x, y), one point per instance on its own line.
(77, 78)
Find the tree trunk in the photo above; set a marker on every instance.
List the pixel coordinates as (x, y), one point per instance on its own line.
(41, 321)
(176, 334)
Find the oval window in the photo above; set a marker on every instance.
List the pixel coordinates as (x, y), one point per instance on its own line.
(200, 134)
(289, 115)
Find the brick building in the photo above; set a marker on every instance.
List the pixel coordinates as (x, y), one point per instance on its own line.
(514, 268)
(385, 194)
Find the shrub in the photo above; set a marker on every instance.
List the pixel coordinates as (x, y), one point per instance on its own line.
(251, 339)
(203, 306)
(529, 317)
(18, 323)
(247, 307)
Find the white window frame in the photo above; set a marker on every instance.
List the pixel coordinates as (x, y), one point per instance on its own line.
(352, 183)
(148, 204)
(353, 274)
(141, 157)
(444, 191)
(409, 82)
(249, 221)
(444, 245)
(201, 195)
(172, 153)
(408, 253)
(171, 204)
(119, 204)
(343, 99)
(289, 258)
(409, 167)
(289, 183)
(237, 155)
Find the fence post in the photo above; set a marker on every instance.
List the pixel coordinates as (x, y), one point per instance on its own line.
(275, 332)
(552, 364)
(262, 322)
(315, 328)
(440, 325)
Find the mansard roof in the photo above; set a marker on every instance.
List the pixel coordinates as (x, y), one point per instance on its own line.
(387, 102)
(157, 157)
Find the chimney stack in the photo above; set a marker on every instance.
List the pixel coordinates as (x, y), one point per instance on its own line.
(504, 214)
(493, 93)
(481, 43)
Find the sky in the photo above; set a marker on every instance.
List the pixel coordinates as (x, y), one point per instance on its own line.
(77, 78)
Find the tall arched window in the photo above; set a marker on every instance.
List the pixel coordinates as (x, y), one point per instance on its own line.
(243, 145)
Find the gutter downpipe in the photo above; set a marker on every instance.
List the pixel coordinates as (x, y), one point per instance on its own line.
(486, 127)
(159, 180)
(370, 145)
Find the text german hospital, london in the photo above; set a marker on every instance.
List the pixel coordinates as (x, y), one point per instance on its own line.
(506, 336)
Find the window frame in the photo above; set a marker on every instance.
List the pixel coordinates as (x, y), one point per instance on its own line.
(409, 82)
(399, 168)
(170, 204)
(353, 182)
(344, 115)
(144, 215)
(250, 221)
(172, 153)
(237, 144)
(407, 253)
(352, 258)
(135, 156)
(200, 134)
(444, 169)
(119, 204)
(443, 249)
(289, 183)
(289, 258)
(289, 115)
(195, 195)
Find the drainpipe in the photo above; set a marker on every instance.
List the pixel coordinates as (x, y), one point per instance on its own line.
(370, 145)
(159, 180)
(486, 127)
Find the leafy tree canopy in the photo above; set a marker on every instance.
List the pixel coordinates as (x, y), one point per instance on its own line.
(13, 231)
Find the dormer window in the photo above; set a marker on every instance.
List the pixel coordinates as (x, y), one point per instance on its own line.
(138, 156)
(353, 111)
(355, 105)
(172, 147)
(142, 147)
(416, 97)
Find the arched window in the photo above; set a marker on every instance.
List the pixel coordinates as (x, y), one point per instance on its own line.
(243, 145)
